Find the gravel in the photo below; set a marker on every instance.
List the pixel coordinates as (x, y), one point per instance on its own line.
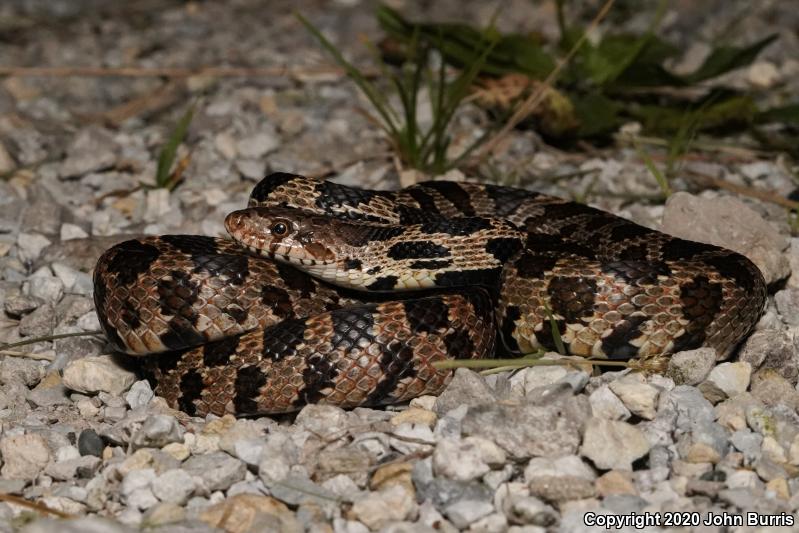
(527, 451)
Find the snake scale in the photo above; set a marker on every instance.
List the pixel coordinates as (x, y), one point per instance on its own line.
(339, 295)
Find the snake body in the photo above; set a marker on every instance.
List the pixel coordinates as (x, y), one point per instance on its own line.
(232, 331)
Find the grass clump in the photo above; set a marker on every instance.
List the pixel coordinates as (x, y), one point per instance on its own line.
(416, 73)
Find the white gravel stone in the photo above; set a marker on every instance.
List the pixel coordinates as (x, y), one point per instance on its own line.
(465, 512)
(613, 445)
(157, 431)
(97, 373)
(140, 394)
(217, 470)
(31, 245)
(605, 404)
(46, 288)
(24, 456)
(731, 378)
(173, 486)
(636, 394)
(568, 465)
(135, 488)
(691, 367)
(378, 509)
(71, 231)
(89, 322)
(258, 145)
(466, 459)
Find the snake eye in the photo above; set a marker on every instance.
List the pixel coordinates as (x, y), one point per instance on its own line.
(279, 229)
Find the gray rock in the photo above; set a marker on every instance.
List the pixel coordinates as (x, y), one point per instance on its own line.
(92, 149)
(173, 486)
(157, 431)
(548, 428)
(258, 145)
(85, 524)
(21, 304)
(612, 444)
(46, 288)
(466, 388)
(773, 349)
(140, 394)
(568, 465)
(691, 367)
(731, 378)
(747, 443)
(772, 389)
(24, 456)
(217, 470)
(83, 467)
(561, 489)
(39, 323)
(90, 443)
(605, 404)
(136, 488)
(299, 490)
(726, 221)
(27, 371)
(442, 491)
(378, 509)
(98, 373)
(636, 394)
(787, 301)
(466, 512)
(31, 246)
(466, 459)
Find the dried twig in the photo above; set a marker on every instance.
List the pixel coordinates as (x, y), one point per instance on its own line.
(766, 196)
(29, 355)
(176, 72)
(39, 507)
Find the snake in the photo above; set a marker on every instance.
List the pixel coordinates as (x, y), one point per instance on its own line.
(327, 293)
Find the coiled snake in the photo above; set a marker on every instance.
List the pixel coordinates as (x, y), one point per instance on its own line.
(499, 268)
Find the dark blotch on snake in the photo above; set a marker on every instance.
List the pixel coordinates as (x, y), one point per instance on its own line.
(701, 302)
(396, 362)
(428, 315)
(456, 227)
(459, 344)
(352, 264)
(503, 248)
(482, 277)
(637, 273)
(454, 193)
(384, 283)
(572, 297)
(507, 200)
(278, 300)
(296, 280)
(430, 264)
(319, 374)
(282, 340)
(269, 184)
(191, 389)
(247, 387)
(352, 327)
(617, 345)
(129, 259)
(531, 265)
(219, 353)
(417, 250)
(508, 326)
(675, 249)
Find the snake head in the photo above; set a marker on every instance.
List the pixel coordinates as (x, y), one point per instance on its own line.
(282, 233)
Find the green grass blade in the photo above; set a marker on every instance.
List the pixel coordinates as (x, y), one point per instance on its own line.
(167, 156)
(553, 324)
(654, 170)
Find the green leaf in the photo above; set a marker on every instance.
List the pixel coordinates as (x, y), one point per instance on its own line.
(787, 114)
(724, 59)
(598, 115)
(728, 111)
(167, 156)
